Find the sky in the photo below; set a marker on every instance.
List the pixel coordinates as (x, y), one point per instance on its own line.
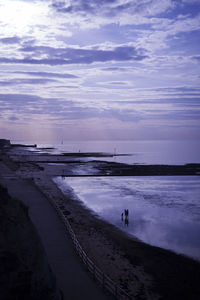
(99, 70)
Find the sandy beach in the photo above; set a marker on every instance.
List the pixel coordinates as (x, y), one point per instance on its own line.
(143, 271)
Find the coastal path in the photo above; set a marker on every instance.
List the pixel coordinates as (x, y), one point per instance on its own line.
(72, 278)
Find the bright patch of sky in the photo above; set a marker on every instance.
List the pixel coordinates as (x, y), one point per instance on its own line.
(81, 66)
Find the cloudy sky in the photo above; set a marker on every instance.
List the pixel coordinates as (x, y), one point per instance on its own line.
(99, 69)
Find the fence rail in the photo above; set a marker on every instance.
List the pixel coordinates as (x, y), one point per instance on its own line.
(96, 272)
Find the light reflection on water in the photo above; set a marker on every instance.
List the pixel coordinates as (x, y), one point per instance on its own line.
(163, 211)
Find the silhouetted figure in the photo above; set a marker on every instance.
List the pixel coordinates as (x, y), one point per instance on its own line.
(126, 221)
(122, 217)
(126, 213)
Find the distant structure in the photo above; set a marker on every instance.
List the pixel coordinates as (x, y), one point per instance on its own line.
(4, 143)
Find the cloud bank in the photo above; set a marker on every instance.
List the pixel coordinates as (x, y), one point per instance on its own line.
(109, 65)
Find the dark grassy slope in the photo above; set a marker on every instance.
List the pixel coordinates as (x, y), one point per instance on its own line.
(24, 270)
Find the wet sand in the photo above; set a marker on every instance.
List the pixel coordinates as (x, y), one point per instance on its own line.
(144, 271)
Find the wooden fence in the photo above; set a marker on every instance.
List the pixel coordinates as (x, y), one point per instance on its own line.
(97, 274)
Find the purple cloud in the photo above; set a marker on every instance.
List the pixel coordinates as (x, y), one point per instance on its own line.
(47, 74)
(196, 57)
(111, 8)
(65, 56)
(62, 109)
(118, 83)
(10, 40)
(25, 81)
(80, 5)
(13, 118)
(114, 69)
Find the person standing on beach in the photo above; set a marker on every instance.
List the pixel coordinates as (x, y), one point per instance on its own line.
(122, 216)
(126, 217)
(126, 213)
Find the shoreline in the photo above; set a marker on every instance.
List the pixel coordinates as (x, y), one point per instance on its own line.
(102, 168)
(134, 265)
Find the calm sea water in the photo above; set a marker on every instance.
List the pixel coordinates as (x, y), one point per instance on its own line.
(141, 152)
(163, 211)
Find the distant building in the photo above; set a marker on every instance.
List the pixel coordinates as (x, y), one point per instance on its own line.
(4, 143)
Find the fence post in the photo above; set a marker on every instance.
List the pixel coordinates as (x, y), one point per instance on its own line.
(94, 270)
(116, 291)
(103, 281)
(86, 261)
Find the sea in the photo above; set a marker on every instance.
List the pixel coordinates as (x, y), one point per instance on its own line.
(138, 152)
(164, 211)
